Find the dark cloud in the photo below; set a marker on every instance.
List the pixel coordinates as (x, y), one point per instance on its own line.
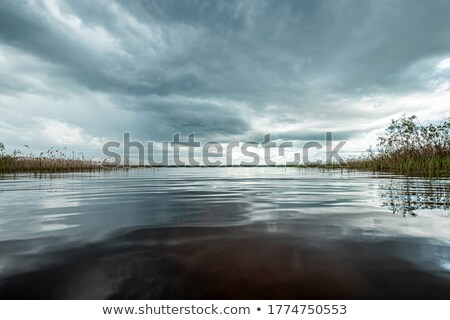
(179, 114)
(230, 68)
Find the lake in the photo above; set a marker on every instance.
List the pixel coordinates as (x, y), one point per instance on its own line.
(224, 233)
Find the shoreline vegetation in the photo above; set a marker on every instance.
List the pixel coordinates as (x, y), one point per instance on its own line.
(407, 148)
(52, 161)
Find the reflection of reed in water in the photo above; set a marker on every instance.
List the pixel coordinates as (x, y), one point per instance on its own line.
(404, 196)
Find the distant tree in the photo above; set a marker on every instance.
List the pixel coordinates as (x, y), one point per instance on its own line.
(407, 135)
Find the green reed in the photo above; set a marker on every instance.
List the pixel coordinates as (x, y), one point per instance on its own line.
(410, 148)
(52, 161)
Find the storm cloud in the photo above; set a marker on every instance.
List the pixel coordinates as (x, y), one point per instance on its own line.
(83, 72)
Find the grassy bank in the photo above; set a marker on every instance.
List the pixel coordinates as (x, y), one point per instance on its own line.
(52, 161)
(410, 148)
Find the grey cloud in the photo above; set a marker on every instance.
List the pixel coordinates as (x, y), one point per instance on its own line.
(241, 47)
(170, 115)
(305, 57)
(319, 135)
(33, 32)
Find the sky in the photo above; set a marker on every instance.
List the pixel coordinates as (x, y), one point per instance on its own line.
(80, 73)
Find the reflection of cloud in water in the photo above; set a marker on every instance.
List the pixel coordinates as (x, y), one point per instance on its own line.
(408, 196)
(46, 227)
(445, 264)
(46, 223)
(58, 201)
(240, 262)
(160, 233)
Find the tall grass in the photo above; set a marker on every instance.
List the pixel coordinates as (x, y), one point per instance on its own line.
(52, 161)
(410, 148)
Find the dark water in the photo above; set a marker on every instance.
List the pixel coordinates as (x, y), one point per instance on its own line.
(224, 233)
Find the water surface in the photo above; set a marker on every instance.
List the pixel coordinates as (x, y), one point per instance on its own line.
(224, 233)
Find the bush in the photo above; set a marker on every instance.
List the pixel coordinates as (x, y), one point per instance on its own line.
(410, 148)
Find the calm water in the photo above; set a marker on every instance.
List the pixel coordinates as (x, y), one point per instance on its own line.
(224, 233)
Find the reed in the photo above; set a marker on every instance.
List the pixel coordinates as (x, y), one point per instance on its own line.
(52, 161)
(410, 148)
